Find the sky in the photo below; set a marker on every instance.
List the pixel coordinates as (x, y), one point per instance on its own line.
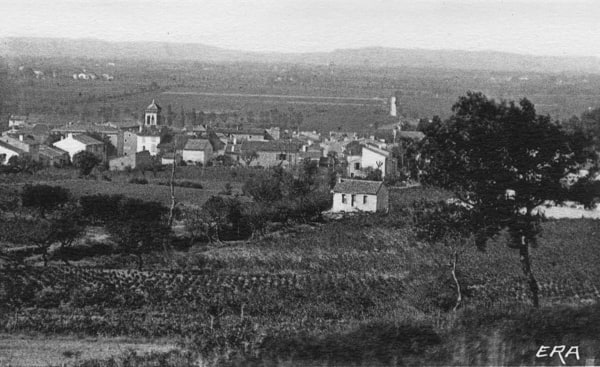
(537, 27)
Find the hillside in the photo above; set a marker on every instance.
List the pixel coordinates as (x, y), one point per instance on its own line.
(373, 56)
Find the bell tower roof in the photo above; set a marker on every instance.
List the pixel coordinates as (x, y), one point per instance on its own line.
(153, 107)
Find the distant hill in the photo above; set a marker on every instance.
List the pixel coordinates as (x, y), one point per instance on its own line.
(375, 56)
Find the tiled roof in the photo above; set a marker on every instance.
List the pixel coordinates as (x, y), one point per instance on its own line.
(10, 147)
(26, 139)
(377, 150)
(87, 140)
(83, 128)
(51, 152)
(248, 131)
(358, 187)
(196, 144)
(414, 135)
(271, 146)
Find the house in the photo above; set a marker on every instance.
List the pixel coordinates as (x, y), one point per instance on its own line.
(17, 120)
(313, 153)
(342, 135)
(138, 142)
(272, 152)
(197, 151)
(375, 158)
(354, 168)
(74, 144)
(360, 196)
(24, 143)
(237, 136)
(411, 135)
(7, 151)
(114, 135)
(139, 159)
(50, 156)
(274, 133)
(170, 158)
(124, 125)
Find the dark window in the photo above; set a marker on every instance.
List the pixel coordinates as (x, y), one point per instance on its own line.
(365, 199)
(356, 165)
(343, 198)
(281, 157)
(353, 200)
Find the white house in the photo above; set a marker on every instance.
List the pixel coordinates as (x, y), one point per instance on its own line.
(17, 120)
(7, 151)
(74, 144)
(136, 160)
(354, 168)
(148, 141)
(197, 150)
(375, 158)
(360, 196)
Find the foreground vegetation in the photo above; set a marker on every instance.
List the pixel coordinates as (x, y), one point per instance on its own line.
(362, 288)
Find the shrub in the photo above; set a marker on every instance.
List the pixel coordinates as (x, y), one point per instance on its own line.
(44, 197)
(138, 181)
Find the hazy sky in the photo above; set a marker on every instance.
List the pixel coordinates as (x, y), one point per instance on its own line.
(545, 27)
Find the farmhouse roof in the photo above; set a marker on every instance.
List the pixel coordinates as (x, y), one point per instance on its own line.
(414, 135)
(51, 152)
(10, 147)
(248, 131)
(377, 150)
(358, 187)
(18, 117)
(271, 146)
(83, 128)
(196, 144)
(87, 140)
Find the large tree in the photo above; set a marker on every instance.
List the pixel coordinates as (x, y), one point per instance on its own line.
(139, 227)
(501, 160)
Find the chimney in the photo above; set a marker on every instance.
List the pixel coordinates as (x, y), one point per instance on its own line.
(20, 137)
(70, 135)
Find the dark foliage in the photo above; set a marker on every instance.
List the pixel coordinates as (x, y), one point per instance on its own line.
(100, 208)
(86, 162)
(501, 161)
(44, 198)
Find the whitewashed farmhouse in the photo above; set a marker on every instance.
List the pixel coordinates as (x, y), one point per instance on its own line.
(74, 144)
(197, 151)
(360, 196)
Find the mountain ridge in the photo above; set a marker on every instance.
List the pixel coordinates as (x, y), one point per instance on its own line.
(368, 56)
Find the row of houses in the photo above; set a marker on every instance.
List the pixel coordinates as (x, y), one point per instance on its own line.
(133, 143)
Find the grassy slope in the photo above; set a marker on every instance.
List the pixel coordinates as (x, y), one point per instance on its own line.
(330, 279)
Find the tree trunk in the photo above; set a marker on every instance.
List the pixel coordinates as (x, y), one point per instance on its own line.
(45, 257)
(172, 188)
(140, 261)
(526, 266)
(458, 289)
(166, 240)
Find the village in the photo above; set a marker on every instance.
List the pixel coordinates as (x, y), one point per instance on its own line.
(363, 163)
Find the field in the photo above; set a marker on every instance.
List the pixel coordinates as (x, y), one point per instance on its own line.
(212, 179)
(28, 350)
(356, 289)
(346, 98)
